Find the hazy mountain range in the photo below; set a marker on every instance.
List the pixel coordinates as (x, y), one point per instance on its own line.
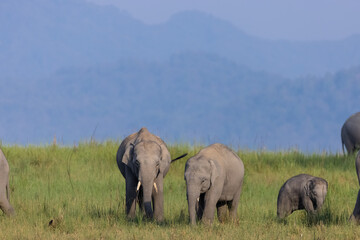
(68, 67)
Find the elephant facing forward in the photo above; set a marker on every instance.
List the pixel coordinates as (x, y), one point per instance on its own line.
(214, 179)
(4, 186)
(144, 160)
(301, 192)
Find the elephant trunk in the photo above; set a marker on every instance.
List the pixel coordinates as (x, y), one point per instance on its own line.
(147, 185)
(192, 197)
(319, 203)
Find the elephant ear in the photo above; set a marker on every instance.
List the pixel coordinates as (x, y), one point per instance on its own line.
(309, 186)
(128, 154)
(214, 172)
(165, 157)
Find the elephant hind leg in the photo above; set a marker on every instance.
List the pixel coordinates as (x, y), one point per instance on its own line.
(5, 205)
(222, 209)
(233, 205)
(350, 147)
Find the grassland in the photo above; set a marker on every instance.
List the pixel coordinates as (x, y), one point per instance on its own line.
(83, 192)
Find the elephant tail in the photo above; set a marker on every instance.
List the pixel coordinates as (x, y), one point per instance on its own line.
(7, 192)
(179, 157)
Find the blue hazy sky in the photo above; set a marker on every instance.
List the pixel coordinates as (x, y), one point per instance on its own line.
(275, 19)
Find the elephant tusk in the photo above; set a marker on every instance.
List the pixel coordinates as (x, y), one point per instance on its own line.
(138, 186)
(156, 190)
(198, 199)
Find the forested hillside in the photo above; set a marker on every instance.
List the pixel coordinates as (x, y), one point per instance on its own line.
(189, 97)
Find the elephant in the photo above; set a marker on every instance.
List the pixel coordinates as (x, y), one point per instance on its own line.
(144, 160)
(355, 216)
(214, 179)
(301, 192)
(4, 186)
(350, 134)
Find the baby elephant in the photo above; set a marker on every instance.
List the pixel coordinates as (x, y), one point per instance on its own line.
(214, 179)
(301, 192)
(4, 186)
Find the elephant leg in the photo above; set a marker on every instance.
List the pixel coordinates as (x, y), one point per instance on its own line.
(5, 205)
(200, 206)
(211, 199)
(350, 147)
(284, 207)
(158, 199)
(222, 209)
(131, 182)
(233, 205)
(308, 204)
(355, 216)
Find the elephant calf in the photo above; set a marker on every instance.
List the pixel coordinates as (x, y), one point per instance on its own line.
(301, 192)
(4, 186)
(214, 179)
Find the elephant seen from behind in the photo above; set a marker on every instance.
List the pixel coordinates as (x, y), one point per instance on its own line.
(301, 192)
(350, 134)
(214, 179)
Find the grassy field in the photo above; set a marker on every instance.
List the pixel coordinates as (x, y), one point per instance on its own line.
(81, 189)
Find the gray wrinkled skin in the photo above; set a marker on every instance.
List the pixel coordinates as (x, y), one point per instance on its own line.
(350, 134)
(214, 179)
(301, 192)
(4, 187)
(355, 216)
(144, 157)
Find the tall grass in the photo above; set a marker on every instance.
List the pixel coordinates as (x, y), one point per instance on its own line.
(81, 193)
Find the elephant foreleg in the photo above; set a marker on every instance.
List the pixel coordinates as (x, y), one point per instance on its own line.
(211, 199)
(131, 195)
(308, 204)
(158, 198)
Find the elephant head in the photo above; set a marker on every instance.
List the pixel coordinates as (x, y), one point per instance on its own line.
(145, 159)
(200, 175)
(316, 190)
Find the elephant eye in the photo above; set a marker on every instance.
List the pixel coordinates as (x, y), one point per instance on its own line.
(137, 163)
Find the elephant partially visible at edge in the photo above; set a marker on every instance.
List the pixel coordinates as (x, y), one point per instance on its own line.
(301, 192)
(350, 134)
(355, 216)
(144, 160)
(214, 179)
(4, 186)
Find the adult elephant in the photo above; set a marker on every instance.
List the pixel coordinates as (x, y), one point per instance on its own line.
(355, 216)
(301, 192)
(350, 133)
(4, 186)
(144, 160)
(214, 179)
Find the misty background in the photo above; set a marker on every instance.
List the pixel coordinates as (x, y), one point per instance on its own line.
(273, 76)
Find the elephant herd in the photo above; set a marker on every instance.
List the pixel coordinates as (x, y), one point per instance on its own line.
(214, 179)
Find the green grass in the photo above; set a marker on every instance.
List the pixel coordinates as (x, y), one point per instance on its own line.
(81, 189)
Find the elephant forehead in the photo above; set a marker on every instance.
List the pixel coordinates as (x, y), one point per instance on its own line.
(144, 148)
